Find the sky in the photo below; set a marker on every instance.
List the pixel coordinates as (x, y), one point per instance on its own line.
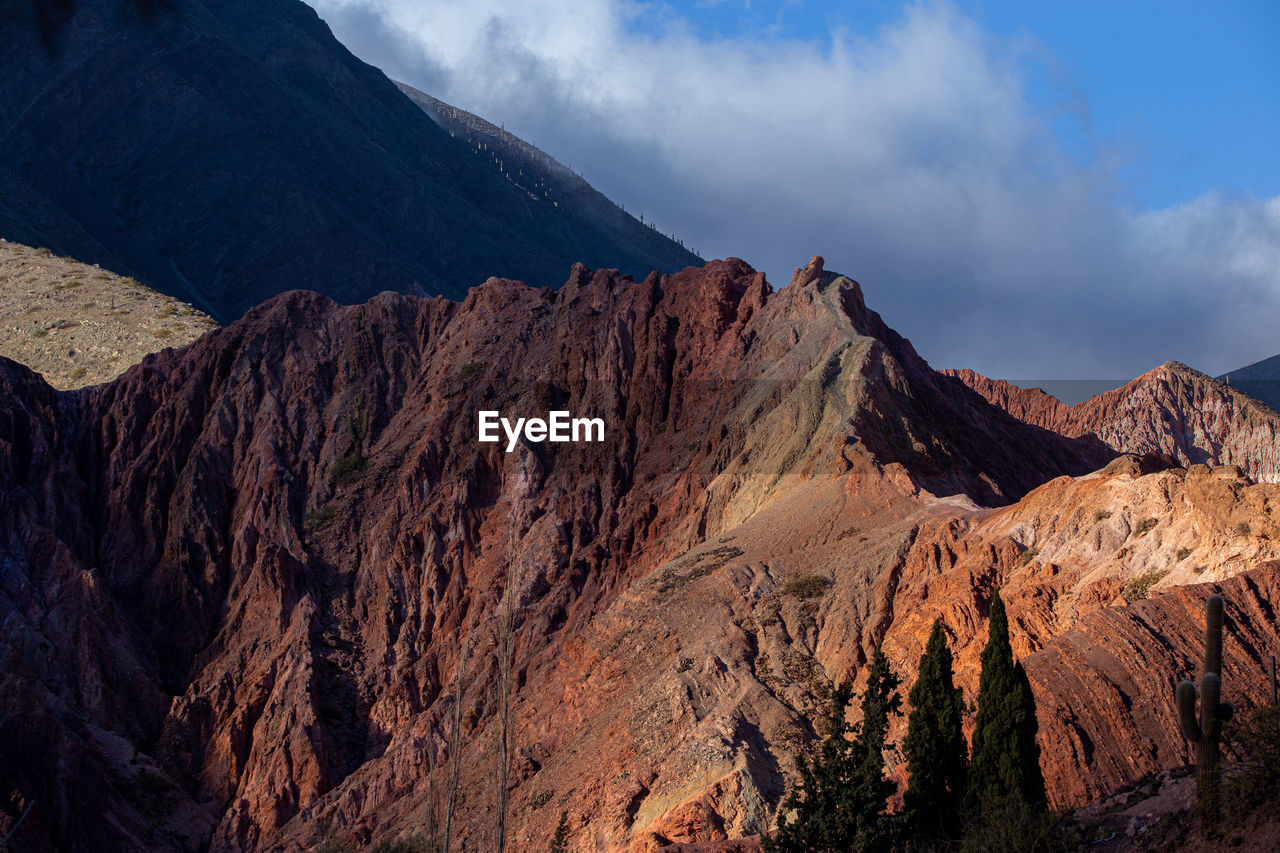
(1031, 190)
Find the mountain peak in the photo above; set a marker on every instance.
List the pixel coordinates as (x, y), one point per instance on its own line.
(1173, 411)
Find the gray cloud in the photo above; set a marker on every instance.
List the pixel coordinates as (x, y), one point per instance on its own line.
(911, 159)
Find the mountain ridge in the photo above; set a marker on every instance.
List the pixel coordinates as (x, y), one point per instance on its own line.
(1173, 411)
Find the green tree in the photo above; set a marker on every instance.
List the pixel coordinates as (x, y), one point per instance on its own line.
(841, 796)
(1006, 758)
(560, 841)
(868, 797)
(937, 755)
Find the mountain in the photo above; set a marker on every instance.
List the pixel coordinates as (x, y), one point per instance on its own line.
(1260, 380)
(238, 581)
(1172, 411)
(225, 152)
(80, 325)
(540, 175)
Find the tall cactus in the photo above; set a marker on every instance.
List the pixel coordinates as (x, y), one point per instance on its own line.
(1206, 731)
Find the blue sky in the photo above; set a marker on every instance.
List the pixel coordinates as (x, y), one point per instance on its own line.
(1033, 190)
(1188, 92)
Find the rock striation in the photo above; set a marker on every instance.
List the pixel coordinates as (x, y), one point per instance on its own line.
(240, 584)
(1172, 411)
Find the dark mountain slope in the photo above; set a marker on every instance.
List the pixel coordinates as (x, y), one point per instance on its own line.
(1260, 380)
(538, 173)
(227, 151)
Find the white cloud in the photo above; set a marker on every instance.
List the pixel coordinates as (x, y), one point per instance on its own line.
(911, 158)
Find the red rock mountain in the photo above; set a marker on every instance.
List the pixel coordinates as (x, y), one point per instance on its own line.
(237, 583)
(1171, 411)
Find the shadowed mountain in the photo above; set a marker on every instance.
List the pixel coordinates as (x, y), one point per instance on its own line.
(539, 174)
(1260, 380)
(224, 152)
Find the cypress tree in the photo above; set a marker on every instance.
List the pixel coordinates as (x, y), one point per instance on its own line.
(1006, 759)
(937, 755)
(815, 797)
(867, 798)
(841, 796)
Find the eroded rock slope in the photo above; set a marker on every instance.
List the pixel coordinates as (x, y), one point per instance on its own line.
(237, 581)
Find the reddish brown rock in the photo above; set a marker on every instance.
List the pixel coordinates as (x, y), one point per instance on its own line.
(238, 579)
(1171, 412)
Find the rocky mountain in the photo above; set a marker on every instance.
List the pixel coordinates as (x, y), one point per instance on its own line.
(243, 583)
(1172, 411)
(77, 324)
(224, 152)
(1260, 380)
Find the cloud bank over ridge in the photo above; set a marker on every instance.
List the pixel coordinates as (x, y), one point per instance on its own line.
(990, 227)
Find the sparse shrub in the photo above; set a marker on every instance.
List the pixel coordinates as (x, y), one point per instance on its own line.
(39, 333)
(540, 799)
(685, 665)
(1144, 526)
(1243, 529)
(348, 469)
(78, 373)
(472, 369)
(1101, 515)
(1140, 587)
(43, 252)
(163, 332)
(1257, 746)
(1183, 553)
(415, 844)
(169, 310)
(671, 578)
(800, 668)
(807, 586)
(149, 793)
(1014, 826)
(319, 517)
(1029, 555)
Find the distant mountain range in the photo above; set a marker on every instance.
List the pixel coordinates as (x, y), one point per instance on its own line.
(226, 152)
(1260, 380)
(1173, 413)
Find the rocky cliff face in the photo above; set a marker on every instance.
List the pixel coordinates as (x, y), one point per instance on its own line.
(1172, 411)
(224, 152)
(239, 580)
